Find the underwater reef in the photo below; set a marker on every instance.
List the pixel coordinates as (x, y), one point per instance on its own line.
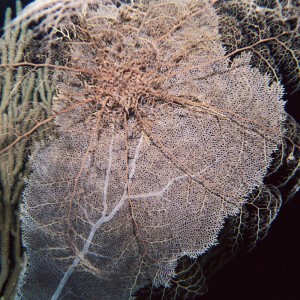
(142, 142)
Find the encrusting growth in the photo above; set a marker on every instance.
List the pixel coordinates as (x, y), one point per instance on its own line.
(159, 137)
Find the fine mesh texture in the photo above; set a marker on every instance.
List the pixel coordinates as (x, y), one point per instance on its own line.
(129, 186)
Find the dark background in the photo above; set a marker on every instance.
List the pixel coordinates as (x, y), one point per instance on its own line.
(272, 269)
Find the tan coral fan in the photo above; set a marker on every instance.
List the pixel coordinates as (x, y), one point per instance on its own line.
(166, 138)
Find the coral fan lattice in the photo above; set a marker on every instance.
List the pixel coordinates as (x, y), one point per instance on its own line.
(159, 139)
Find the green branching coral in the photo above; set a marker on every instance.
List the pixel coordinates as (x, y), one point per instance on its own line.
(25, 99)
